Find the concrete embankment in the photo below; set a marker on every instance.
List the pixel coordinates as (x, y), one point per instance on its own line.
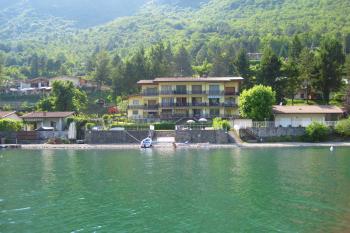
(194, 146)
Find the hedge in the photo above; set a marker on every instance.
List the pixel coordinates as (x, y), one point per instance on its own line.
(164, 126)
(317, 132)
(343, 127)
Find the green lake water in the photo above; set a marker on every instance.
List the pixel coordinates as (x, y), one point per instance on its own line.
(163, 190)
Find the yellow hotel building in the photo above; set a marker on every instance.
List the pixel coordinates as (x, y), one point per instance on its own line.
(179, 97)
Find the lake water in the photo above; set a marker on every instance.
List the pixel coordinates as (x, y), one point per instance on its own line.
(213, 190)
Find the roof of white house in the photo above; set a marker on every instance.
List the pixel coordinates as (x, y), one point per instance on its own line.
(6, 114)
(47, 115)
(307, 109)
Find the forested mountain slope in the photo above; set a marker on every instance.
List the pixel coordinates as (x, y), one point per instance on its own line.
(75, 29)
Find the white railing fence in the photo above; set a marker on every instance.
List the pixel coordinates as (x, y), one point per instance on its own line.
(295, 124)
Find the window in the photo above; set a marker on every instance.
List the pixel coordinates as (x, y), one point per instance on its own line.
(214, 101)
(196, 89)
(166, 89)
(135, 112)
(135, 102)
(150, 91)
(214, 112)
(167, 102)
(53, 124)
(214, 89)
(181, 89)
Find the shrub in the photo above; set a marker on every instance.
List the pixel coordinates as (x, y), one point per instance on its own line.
(164, 126)
(343, 127)
(9, 125)
(219, 123)
(89, 126)
(317, 132)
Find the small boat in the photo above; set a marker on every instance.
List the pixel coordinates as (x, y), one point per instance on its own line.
(146, 143)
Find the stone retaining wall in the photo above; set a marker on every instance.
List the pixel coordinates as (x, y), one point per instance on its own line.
(277, 132)
(28, 137)
(115, 137)
(202, 136)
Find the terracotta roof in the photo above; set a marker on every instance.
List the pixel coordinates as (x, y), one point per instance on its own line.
(190, 79)
(5, 114)
(47, 115)
(307, 109)
(145, 82)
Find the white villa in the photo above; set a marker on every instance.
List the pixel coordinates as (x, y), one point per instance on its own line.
(296, 116)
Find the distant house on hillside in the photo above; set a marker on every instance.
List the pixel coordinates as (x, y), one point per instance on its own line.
(77, 81)
(56, 120)
(303, 116)
(254, 56)
(10, 115)
(33, 86)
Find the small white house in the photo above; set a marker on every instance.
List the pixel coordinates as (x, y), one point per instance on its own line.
(302, 116)
(56, 120)
(74, 80)
(10, 115)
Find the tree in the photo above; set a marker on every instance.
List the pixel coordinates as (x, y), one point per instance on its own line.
(102, 70)
(160, 60)
(64, 97)
(295, 49)
(34, 66)
(182, 62)
(270, 72)
(242, 68)
(256, 103)
(204, 69)
(307, 70)
(290, 69)
(330, 61)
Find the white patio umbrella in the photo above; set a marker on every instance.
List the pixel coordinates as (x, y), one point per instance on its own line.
(203, 120)
(190, 122)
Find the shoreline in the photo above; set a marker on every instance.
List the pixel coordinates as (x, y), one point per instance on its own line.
(192, 146)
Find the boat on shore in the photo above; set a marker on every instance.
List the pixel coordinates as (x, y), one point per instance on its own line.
(146, 143)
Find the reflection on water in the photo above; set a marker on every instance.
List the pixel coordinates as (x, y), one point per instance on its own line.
(175, 190)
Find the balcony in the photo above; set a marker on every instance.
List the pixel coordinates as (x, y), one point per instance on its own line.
(198, 92)
(148, 93)
(151, 107)
(215, 104)
(231, 93)
(229, 105)
(135, 107)
(215, 93)
(199, 104)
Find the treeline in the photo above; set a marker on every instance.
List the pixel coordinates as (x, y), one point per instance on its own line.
(318, 70)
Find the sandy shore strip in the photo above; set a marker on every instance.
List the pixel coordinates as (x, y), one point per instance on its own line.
(168, 145)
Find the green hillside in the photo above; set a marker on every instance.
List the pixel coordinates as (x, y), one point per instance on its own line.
(202, 27)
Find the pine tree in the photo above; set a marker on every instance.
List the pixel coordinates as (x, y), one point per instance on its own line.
(242, 68)
(182, 62)
(330, 61)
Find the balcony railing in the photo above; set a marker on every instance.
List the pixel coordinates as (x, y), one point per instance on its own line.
(231, 93)
(135, 107)
(198, 104)
(172, 92)
(151, 107)
(145, 93)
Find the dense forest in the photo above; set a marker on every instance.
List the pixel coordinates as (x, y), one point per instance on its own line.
(187, 35)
